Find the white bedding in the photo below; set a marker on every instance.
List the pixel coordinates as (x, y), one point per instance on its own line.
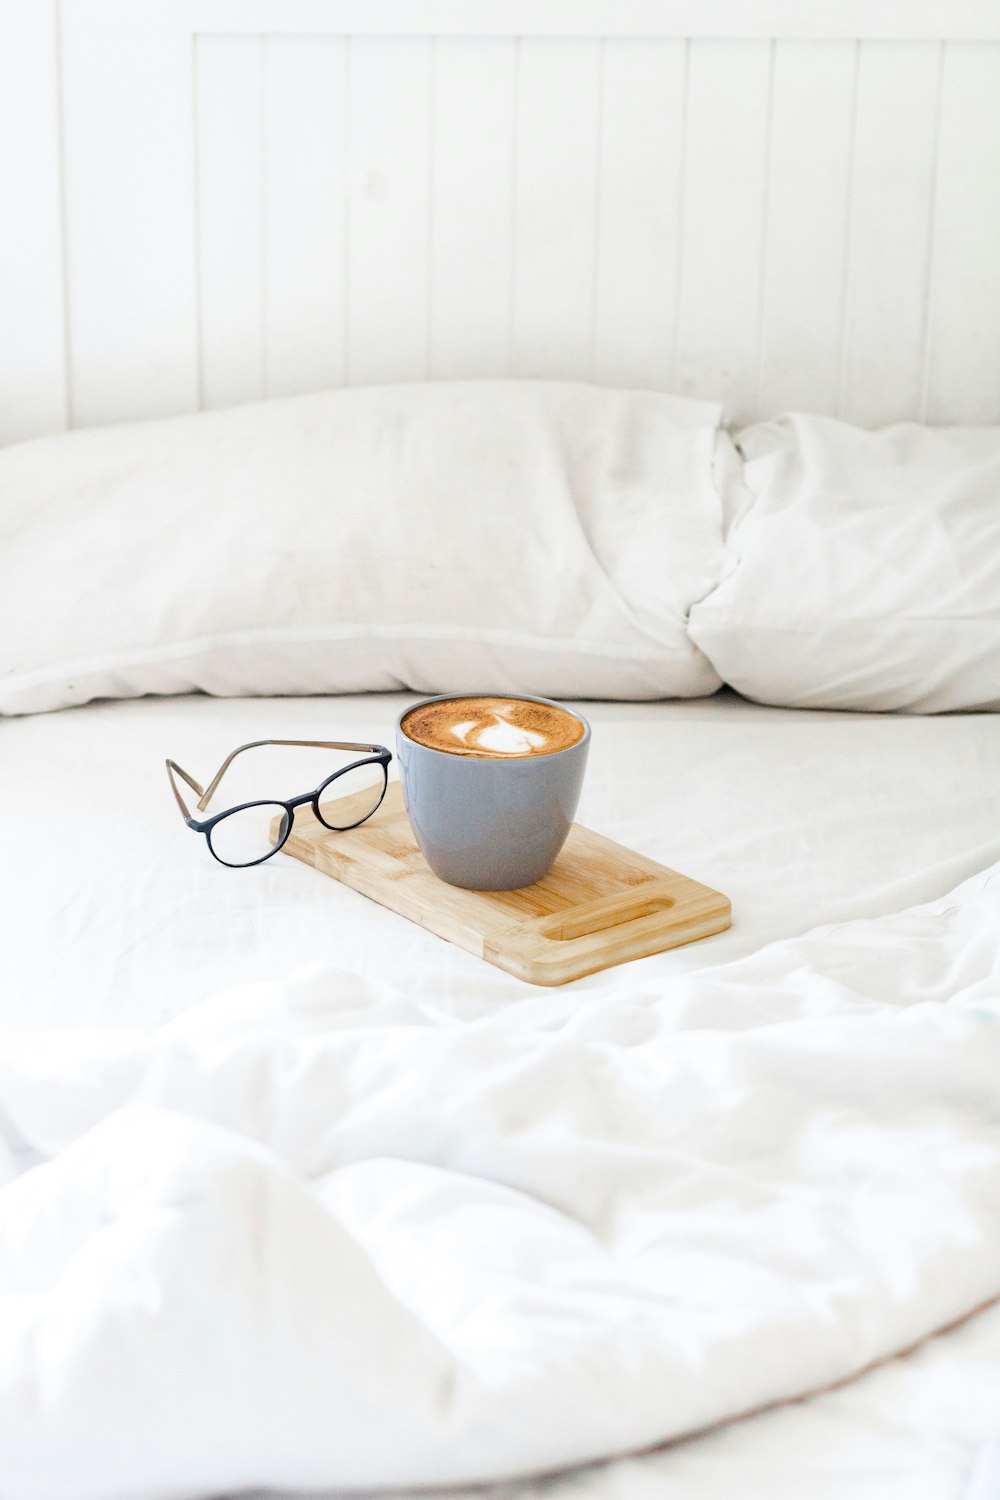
(876, 1096)
(114, 913)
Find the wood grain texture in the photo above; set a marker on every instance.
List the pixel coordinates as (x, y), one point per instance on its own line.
(600, 905)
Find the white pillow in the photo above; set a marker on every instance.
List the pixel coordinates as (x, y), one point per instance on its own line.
(865, 570)
(484, 535)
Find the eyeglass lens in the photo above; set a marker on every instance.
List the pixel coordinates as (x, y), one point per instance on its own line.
(249, 834)
(352, 796)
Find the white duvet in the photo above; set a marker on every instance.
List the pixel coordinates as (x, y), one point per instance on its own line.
(311, 1233)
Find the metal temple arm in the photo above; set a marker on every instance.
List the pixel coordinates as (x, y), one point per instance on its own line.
(209, 792)
(172, 766)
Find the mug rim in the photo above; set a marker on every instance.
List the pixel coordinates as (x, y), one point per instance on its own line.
(521, 698)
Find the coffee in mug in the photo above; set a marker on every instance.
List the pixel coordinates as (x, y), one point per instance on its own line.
(491, 784)
(493, 727)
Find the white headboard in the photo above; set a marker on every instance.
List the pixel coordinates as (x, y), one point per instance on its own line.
(785, 203)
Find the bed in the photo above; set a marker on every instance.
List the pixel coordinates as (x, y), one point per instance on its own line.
(346, 333)
(804, 818)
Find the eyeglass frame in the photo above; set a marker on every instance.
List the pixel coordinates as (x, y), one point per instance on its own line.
(377, 755)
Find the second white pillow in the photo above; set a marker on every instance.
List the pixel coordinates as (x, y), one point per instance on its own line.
(864, 570)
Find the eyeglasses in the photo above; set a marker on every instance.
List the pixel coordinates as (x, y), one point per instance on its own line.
(252, 831)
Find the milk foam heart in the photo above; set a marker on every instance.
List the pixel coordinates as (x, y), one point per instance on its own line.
(500, 728)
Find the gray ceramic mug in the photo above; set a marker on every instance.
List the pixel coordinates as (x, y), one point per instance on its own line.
(490, 823)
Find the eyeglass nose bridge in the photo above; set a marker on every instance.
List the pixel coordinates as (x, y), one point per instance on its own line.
(281, 826)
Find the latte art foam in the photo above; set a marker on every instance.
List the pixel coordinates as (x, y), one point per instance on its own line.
(497, 728)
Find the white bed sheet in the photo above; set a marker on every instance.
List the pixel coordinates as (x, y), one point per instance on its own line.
(114, 914)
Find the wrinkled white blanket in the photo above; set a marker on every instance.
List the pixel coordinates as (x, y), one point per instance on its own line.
(311, 1234)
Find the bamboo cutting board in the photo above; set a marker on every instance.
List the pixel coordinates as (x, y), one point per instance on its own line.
(599, 905)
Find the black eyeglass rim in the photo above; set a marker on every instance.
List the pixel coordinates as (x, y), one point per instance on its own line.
(206, 825)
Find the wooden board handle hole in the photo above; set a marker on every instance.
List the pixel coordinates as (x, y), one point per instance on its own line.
(565, 931)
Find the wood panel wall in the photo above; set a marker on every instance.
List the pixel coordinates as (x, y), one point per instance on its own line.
(204, 203)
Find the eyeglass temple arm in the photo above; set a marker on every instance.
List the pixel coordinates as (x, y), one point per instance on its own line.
(172, 766)
(209, 792)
